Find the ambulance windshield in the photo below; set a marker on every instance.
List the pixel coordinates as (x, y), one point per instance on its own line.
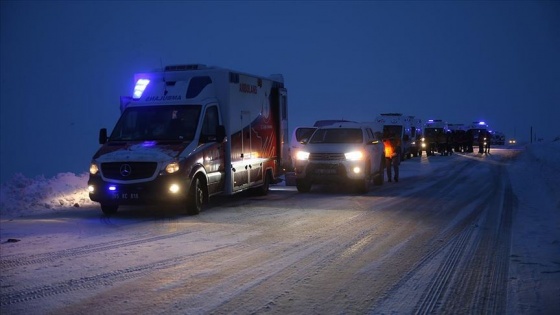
(173, 123)
(433, 132)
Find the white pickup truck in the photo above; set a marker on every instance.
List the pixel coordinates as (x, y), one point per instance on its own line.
(343, 153)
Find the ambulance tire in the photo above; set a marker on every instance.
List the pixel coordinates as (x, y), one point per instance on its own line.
(263, 190)
(196, 197)
(303, 186)
(109, 209)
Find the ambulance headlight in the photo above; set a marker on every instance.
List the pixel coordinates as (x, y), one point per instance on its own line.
(91, 189)
(172, 167)
(357, 170)
(93, 169)
(423, 145)
(302, 155)
(354, 155)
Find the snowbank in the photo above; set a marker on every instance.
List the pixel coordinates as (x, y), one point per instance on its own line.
(22, 196)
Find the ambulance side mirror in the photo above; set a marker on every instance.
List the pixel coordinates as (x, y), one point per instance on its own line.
(103, 136)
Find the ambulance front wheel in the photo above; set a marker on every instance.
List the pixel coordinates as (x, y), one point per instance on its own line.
(109, 209)
(196, 197)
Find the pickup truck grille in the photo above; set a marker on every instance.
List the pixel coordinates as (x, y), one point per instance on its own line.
(128, 170)
(326, 156)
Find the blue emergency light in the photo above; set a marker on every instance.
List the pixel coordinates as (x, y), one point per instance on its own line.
(139, 88)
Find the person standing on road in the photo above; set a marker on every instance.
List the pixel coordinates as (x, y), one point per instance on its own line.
(392, 160)
(488, 138)
(481, 137)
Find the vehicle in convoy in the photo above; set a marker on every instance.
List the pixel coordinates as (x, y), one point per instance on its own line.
(344, 153)
(301, 135)
(190, 132)
(399, 125)
(436, 137)
(474, 131)
(416, 134)
(459, 137)
(498, 138)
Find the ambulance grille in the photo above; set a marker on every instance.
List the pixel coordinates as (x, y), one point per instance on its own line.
(128, 170)
(326, 156)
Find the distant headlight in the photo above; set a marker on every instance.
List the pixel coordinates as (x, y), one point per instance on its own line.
(302, 155)
(172, 167)
(354, 155)
(93, 169)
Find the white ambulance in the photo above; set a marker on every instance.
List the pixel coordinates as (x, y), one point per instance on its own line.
(435, 136)
(190, 132)
(474, 131)
(401, 126)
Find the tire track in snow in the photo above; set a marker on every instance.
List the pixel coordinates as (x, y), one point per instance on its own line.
(83, 250)
(92, 282)
(481, 278)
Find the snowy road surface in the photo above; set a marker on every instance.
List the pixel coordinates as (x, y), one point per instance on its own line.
(445, 239)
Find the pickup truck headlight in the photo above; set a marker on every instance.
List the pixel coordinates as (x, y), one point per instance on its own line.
(354, 155)
(172, 167)
(302, 155)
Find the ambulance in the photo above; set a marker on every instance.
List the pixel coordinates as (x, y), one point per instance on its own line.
(189, 132)
(474, 131)
(399, 125)
(435, 136)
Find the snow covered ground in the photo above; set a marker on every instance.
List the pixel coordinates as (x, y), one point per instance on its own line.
(23, 196)
(534, 269)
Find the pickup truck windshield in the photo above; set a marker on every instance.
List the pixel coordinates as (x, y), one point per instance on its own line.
(337, 135)
(174, 123)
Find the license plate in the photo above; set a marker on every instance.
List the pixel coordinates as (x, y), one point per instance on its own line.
(126, 196)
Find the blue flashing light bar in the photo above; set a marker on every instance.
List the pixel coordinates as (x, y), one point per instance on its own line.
(141, 85)
(112, 188)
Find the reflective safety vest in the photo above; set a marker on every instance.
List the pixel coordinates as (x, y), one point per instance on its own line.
(389, 150)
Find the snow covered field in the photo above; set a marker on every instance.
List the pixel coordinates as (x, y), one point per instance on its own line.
(534, 257)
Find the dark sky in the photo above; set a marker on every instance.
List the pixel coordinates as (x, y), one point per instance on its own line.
(64, 65)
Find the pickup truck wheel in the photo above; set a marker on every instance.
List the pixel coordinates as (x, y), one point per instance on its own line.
(362, 186)
(379, 177)
(109, 209)
(303, 186)
(196, 197)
